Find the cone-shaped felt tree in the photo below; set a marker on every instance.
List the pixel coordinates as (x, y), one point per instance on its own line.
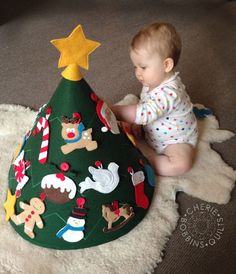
(77, 180)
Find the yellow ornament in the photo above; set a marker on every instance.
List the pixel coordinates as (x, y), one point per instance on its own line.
(9, 205)
(74, 50)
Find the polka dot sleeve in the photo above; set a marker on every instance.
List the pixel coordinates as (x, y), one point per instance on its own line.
(155, 105)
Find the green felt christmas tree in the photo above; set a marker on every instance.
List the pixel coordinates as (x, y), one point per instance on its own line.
(77, 180)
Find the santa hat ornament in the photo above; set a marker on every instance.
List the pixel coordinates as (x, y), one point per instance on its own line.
(77, 180)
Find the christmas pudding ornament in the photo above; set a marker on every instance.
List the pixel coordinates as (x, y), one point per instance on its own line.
(68, 184)
(58, 188)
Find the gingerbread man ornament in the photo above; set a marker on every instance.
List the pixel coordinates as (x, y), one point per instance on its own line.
(30, 216)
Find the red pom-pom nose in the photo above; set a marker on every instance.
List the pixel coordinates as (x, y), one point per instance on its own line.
(70, 135)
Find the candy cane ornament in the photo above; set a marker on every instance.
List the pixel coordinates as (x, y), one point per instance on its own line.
(20, 166)
(43, 124)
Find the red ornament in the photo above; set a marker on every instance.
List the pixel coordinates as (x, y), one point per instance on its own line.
(141, 162)
(49, 110)
(94, 97)
(98, 164)
(42, 196)
(77, 117)
(80, 202)
(64, 166)
(130, 169)
(27, 163)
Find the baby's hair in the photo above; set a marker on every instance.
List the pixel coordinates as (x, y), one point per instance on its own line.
(161, 38)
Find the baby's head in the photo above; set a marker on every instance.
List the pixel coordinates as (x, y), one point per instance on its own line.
(155, 51)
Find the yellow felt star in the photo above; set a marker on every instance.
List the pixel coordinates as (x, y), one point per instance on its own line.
(75, 49)
(9, 205)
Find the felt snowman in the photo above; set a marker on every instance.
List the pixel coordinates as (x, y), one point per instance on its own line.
(73, 231)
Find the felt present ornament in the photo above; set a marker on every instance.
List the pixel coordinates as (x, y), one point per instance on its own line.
(77, 179)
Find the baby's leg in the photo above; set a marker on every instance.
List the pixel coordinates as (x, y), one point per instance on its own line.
(176, 160)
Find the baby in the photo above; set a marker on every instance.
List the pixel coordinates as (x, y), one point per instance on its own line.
(164, 109)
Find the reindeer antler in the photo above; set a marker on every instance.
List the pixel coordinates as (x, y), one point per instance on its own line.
(65, 119)
(75, 120)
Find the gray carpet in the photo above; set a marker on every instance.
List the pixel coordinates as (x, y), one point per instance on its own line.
(29, 76)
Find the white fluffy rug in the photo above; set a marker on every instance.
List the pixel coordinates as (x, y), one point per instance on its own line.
(140, 250)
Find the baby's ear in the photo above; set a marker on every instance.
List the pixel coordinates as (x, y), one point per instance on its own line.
(168, 64)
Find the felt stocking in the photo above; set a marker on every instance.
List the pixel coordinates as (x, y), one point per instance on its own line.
(138, 182)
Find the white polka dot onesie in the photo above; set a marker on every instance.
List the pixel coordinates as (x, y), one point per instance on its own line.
(166, 115)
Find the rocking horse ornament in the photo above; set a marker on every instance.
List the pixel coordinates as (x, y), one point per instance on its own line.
(112, 213)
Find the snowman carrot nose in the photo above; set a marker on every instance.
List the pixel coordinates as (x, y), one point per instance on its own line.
(80, 202)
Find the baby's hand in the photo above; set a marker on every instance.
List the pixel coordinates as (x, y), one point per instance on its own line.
(136, 130)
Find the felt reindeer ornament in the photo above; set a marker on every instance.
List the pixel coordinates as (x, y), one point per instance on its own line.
(75, 136)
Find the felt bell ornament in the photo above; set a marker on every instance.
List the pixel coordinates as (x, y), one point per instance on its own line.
(76, 157)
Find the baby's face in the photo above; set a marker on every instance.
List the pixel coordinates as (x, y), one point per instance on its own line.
(149, 68)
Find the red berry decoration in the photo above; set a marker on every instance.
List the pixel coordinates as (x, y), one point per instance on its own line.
(80, 202)
(64, 166)
(49, 110)
(42, 196)
(98, 164)
(130, 169)
(94, 97)
(141, 162)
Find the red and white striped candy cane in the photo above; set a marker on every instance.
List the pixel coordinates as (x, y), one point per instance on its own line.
(44, 124)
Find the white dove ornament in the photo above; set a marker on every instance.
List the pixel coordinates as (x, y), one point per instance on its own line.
(105, 180)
